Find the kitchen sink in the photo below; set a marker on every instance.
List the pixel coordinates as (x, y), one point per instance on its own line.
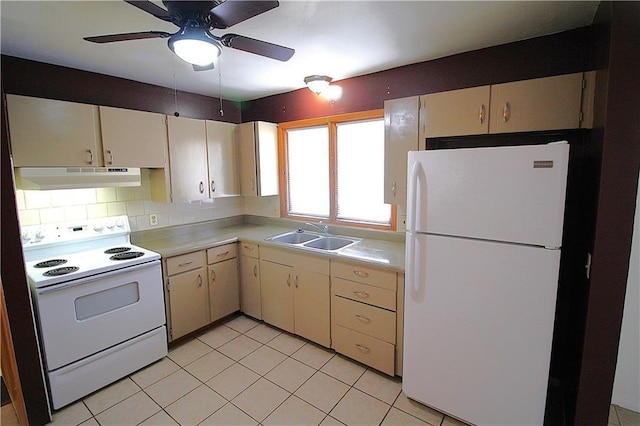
(329, 243)
(294, 237)
(313, 241)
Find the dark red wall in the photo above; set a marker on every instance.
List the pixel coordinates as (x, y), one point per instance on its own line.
(561, 53)
(31, 78)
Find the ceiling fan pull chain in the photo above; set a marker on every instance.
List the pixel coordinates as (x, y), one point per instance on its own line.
(220, 86)
(175, 87)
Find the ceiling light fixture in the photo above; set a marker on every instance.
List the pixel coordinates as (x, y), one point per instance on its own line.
(317, 83)
(195, 45)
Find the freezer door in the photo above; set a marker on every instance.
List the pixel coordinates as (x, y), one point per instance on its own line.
(478, 329)
(513, 194)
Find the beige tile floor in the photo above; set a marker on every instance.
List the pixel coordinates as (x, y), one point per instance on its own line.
(247, 373)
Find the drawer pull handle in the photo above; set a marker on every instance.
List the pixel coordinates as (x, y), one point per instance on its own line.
(361, 294)
(361, 273)
(363, 349)
(185, 263)
(296, 281)
(289, 280)
(248, 247)
(362, 319)
(223, 254)
(213, 275)
(255, 270)
(199, 280)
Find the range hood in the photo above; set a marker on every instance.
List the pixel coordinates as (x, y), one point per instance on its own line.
(76, 177)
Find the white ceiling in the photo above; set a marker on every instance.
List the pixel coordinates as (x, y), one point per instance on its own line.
(338, 38)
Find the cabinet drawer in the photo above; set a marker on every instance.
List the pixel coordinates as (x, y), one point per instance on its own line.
(249, 249)
(366, 349)
(220, 253)
(364, 293)
(366, 319)
(185, 262)
(363, 274)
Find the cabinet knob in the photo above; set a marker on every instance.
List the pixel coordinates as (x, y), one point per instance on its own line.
(289, 280)
(199, 280)
(255, 270)
(361, 294)
(296, 281)
(361, 274)
(213, 278)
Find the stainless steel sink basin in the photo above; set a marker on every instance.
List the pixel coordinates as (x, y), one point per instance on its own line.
(313, 241)
(329, 243)
(294, 238)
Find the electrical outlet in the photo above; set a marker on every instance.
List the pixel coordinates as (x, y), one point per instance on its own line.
(153, 219)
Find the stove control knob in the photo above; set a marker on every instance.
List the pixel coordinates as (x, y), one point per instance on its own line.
(39, 235)
(119, 223)
(98, 227)
(110, 225)
(26, 236)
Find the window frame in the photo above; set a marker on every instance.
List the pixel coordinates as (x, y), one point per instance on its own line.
(331, 122)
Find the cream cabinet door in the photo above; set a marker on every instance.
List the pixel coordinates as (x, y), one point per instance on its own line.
(189, 302)
(224, 297)
(457, 112)
(250, 295)
(258, 158)
(222, 153)
(277, 295)
(133, 138)
(47, 132)
(401, 128)
(312, 313)
(188, 159)
(549, 103)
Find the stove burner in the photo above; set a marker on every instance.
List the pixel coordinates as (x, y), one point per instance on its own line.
(117, 250)
(50, 263)
(126, 255)
(61, 271)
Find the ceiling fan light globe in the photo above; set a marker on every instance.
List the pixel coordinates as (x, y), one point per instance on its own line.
(317, 83)
(195, 51)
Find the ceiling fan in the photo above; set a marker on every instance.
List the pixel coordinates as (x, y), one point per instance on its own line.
(193, 42)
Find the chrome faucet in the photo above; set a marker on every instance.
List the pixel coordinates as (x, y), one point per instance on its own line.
(321, 226)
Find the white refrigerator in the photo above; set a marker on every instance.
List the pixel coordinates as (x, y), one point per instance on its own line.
(484, 233)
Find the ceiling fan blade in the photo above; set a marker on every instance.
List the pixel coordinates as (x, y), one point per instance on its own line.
(231, 12)
(203, 67)
(257, 47)
(127, 36)
(152, 9)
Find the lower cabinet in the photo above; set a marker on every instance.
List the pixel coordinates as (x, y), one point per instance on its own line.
(224, 294)
(200, 287)
(364, 323)
(296, 293)
(186, 293)
(250, 293)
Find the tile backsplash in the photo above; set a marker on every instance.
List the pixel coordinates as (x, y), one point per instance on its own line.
(40, 207)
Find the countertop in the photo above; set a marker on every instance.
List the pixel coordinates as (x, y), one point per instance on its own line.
(374, 252)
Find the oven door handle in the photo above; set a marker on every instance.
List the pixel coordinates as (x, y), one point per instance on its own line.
(99, 276)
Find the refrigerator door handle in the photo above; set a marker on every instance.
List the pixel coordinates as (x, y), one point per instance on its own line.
(412, 270)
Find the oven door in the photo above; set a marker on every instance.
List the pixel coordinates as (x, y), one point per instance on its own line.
(82, 317)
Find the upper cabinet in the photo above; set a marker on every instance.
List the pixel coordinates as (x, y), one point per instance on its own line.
(188, 159)
(549, 103)
(401, 125)
(258, 155)
(133, 138)
(223, 159)
(47, 132)
(457, 112)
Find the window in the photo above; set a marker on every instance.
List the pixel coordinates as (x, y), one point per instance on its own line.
(333, 170)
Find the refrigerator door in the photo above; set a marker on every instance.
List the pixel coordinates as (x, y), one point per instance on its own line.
(513, 194)
(478, 329)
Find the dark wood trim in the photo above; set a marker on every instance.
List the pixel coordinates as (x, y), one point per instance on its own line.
(38, 79)
(17, 295)
(615, 215)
